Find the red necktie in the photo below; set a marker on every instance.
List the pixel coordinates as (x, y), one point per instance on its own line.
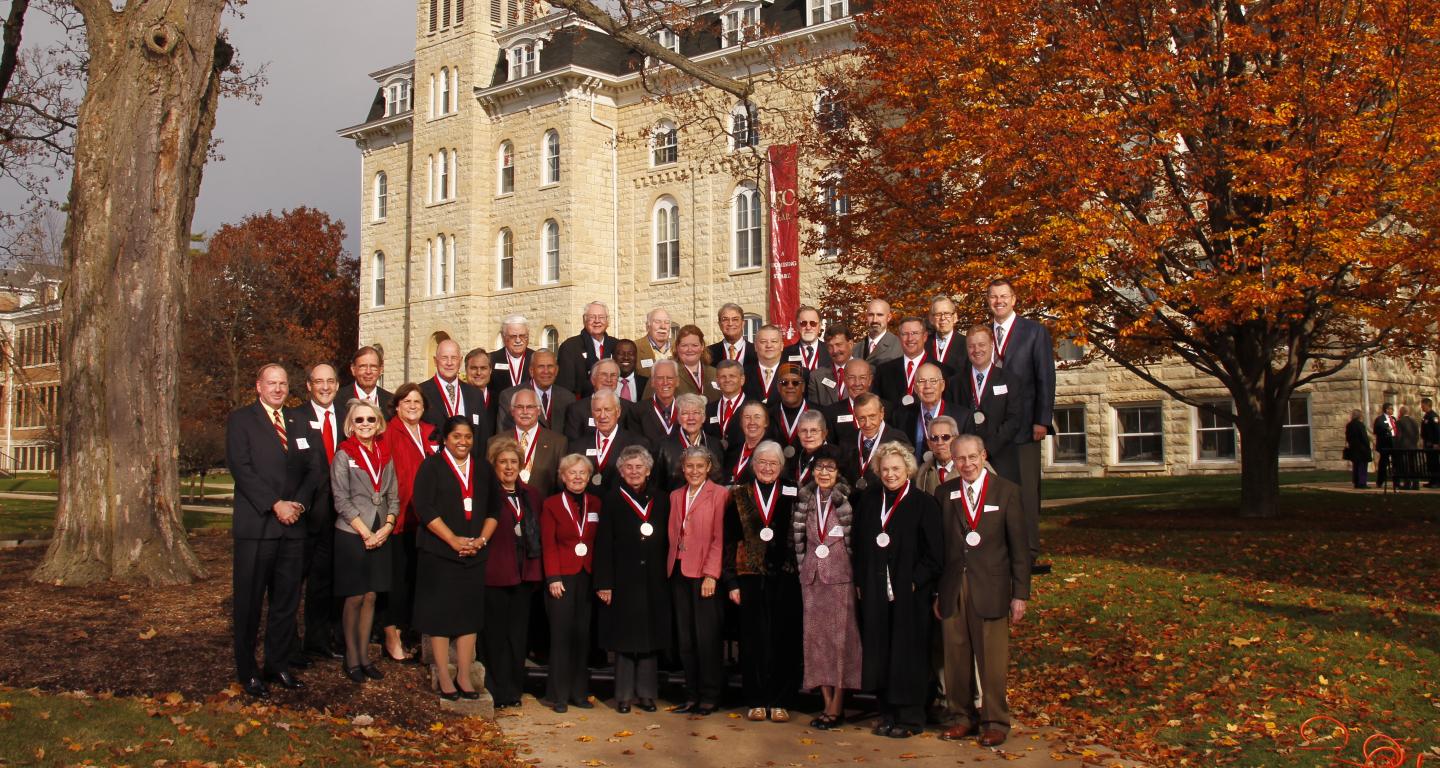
(280, 430)
(329, 433)
(943, 472)
(625, 390)
(729, 410)
(840, 377)
(909, 375)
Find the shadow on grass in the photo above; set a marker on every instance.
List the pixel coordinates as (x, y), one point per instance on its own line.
(1418, 629)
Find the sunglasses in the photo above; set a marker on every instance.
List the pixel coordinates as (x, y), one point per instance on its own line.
(366, 419)
(789, 382)
(809, 323)
(941, 438)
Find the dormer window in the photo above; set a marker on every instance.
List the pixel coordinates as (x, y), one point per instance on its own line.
(525, 59)
(397, 97)
(668, 38)
(822, 11)
(739, 25)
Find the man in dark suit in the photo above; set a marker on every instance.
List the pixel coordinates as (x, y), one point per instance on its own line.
(604, 375)
(732, 345)
(984, 588)
(275, 469)
(940, 347)
(721, 416)
(859, 376)
(630, 383)
(579, 353)
(446, 395)
(1024, 349)
(1357, 449)
(602, 443)
(870, 431)
(657, 416)
(895, 379)
(1430, 438)
(540, 448)
(1386, 429)
(879, 344)
(366, 368)
(914, 420)
(1408, 439)
(479, 373)
(996, 416)
(323, 423)
(510, 365)
(826, 385)
(760, 377)
(555, 401)
(809, 350)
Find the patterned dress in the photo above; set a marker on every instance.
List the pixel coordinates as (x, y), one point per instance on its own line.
(832, 635)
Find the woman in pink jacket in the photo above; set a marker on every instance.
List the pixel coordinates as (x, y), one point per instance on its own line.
(696, 541)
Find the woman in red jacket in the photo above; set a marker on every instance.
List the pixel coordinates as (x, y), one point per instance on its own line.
(409, 442)
(567, 537)
(697, 543)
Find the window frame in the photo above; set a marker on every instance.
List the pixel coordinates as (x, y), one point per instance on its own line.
(739, 25)
(826, 11)
(665, 246)
(505, 260)
(748, 136)
(381, 196)
(377, 279)
(1055, 454)
(1208, 426)
(505, 168)
(753, 235)
(750, 324)
(664, 139)
(550, 252)
(550, 158)
(1308, 426)
(1121, 435)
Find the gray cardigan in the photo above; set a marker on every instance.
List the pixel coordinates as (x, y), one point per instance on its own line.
(355, 495)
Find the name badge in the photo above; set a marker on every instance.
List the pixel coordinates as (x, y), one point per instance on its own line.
(828, 382)
(955, 495)
(714, 419)
(787, 490)
(991, 508)
(844, 418)
(647, 363)
(475, 419)
(836, 530)
(501, 366)
(590, 421)
(591, 452)
(302, 443)
(585, 355)
(354, 465)
(1000, 389)
(316, 425)
(794, 358)
(592, 517)
(715, 385)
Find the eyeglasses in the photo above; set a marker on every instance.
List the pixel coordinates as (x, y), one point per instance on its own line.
(942, 438)
(366, 419)
(809, 323)
(826, 467)
(790, 382)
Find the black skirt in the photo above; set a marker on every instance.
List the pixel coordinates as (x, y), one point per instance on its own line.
(449, 596)
(359, 570)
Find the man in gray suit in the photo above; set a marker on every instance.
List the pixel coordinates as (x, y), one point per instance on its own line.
(880, 344)
(540, 448)
(983, 590)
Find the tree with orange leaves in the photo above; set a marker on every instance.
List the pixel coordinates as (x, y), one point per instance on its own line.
(1250, 187)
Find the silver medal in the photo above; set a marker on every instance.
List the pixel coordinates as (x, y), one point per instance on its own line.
(596, 479)
(907, 400)
(822, 551)
(469, 505)
(972, 539)
(517, 529)
(524, 475)
(789, 451)
(766, 534)
(979, 418)
(883, 540)
(581, 549)
(861, 483)
(646, 529)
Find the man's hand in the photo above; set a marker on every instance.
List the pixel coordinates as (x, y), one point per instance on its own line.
(604, 595)
(1037, 432)
(287, 512)
(1017, 611)
(557, 590)
(735, 596)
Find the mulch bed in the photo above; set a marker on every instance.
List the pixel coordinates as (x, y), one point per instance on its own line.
(136, 641)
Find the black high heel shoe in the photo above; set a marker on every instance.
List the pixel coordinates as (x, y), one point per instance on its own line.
(356, 674)
(466, 695)
(373, 672)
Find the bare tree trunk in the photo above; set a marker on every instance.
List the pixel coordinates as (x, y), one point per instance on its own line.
(140, 147)
(1259, 463)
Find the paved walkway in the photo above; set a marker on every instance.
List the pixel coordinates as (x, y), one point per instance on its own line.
(600, 737)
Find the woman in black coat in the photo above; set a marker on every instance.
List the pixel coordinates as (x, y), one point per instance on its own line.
(631, 545)
(898, 554)
(1357, 449)
(455, 498)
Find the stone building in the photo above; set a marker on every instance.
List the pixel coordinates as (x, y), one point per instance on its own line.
(30, 381)
(501, 173)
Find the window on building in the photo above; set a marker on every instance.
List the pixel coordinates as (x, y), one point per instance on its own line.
(442, 176)
(382, 195)
(550, 252)
(397, 98)
(441, 256)
(752, 327)
(505, 260)
(1069, 435)
(551, 170)
(664, 144)
(739, 25)
(668, 38)
(1214, 433)
(837, 204)
(830, 113)
(667, 239)
(525, 59)
(744, 126)
(444, 91)
(1295, 432)
(459, 12)
(505, 159)
(746, 241)
(1140, 438)
(377, 276)
(550, 338)
(444, 14)
(434, 15)
(822, 11)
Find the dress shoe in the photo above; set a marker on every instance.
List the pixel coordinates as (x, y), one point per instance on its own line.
(471, 695)
(560, 708)
(581, 704)
(686, 708)
(451, 696)
(623, 708)
(961, 731)
(286, 680)
(992, 737)
(647, 705)
(1039, 568)
(300, 662)
(324, 653)
(704, 709)
(255, 687)
(373, 672)
(779, 715)
(903, 731)
(756, 714)
(356, 674)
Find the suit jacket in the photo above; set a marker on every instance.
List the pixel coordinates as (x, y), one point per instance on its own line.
(1430, 428)
(385, 397)
(1357, 441)
(576, 357)
(697, 533)
(578, 418)
(818, 391)
(355, 495)
(500, 371)
(1029, 359)
(1409, 437)
(890, 379)
(841, 421)
(954, 356)
(850, 457)
(906, 418)
(438, 496)
(470, 397)
(561, 400)
(687, 385)
(610, 474)
(748, 358)
(550, 447)
(320, 508)
(559, 533)
(997, 419)
(755, 384)
(1384, 433)
(821, 358)
(266, 472)
(887, 349)
(927, 477)
(644, 352)
(998, 568)
(717, 427)
(648, 424)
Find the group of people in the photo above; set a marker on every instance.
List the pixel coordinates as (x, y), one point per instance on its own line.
(1394, 432)
(852, 498)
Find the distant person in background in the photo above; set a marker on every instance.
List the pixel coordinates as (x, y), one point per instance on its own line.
(1357, 449)
(1408, 439)
(1386, 429)
(1430, 438)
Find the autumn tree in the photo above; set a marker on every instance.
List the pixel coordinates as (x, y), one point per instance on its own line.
(1249, 187)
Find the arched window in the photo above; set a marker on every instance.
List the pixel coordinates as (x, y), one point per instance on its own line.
(382, 195)
(746, 241)
(664, 144)
(505, 160)
(377, 278)
(439, 268)
(752, 327)
(744, 126)
(550, 338)
(429, 178)
(666, 228)
(550, 252)
(550, 172)
(505, 260)
(444, 91)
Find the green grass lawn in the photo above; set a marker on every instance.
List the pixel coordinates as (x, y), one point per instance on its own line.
(35, 518)
(216, 484)
(1081, 487)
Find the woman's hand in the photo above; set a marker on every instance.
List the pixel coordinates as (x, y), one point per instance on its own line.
(707, 587)
(557, 590)
(735, 596)
(379, 537)
(604, 595)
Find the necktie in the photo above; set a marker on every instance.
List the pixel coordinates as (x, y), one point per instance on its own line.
(524, 444)
(450, 391)
(869, 444)
(807, 353)
(280, 430)
(545, 403)
(604, 441)
(733, 353)
(999, 337)
(729, 409)
(769, 374)
(979, 381)
(840, 379)
(909, 374)
(970, 494)
(329, 434)
(625, 389)
(943, 472)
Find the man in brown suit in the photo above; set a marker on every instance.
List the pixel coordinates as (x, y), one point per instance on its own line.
(985, 583)
(540, 448)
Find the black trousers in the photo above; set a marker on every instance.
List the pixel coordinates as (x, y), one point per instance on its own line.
(264, 568)
(507, 623)
(698, 621)
(771, 628)
(395, 605)
(569, 639)
(1382, 467)
(320, 618)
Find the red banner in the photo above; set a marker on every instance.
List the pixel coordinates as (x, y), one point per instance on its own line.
(784, 239)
